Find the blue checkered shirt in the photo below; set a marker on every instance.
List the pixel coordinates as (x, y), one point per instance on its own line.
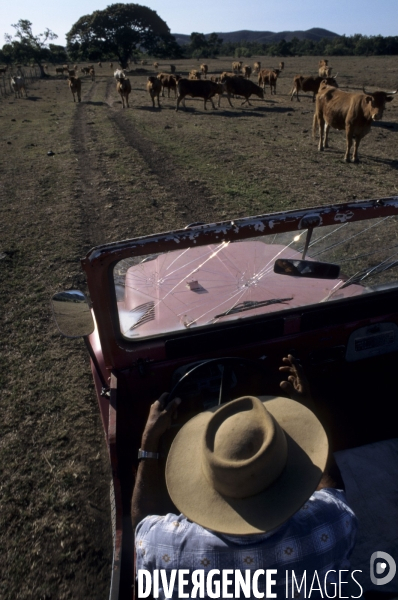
(319, 537)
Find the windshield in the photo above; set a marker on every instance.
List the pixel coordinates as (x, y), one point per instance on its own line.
(217, 283)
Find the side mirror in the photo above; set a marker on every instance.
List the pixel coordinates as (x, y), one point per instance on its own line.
(72, 314)
(306, 268)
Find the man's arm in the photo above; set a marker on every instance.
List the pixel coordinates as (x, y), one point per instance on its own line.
(146, 498)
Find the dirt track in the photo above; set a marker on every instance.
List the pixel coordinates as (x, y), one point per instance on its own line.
(117, 174)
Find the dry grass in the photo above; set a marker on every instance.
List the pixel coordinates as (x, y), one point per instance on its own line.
(117, 174)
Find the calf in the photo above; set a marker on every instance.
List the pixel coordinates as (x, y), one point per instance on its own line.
(170, 82)
(236, 66)
(310, 84)
(123, 88)
(18, 85)
(241, 87)
(204, 70)
(352, 112)
(198, 89)
(75, 85)
(194, 74)
(325, 72)
(247, 71)
(257, 67)
(154, 88)
(267, 76)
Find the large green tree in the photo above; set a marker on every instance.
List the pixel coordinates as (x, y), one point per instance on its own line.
(120, 30)
(27, 47)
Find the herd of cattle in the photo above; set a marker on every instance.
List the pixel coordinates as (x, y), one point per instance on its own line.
(352, 112)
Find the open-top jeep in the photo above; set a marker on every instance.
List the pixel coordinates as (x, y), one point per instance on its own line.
(209, 311)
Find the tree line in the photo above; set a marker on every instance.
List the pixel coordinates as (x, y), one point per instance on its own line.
(126, 32)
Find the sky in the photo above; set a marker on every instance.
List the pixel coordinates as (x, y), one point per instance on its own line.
(206, 16)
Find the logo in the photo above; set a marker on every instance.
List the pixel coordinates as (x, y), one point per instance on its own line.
(384, 560)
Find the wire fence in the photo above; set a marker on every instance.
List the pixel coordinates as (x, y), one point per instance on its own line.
(29, 73)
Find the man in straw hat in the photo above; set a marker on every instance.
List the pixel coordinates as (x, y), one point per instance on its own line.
(249, 480)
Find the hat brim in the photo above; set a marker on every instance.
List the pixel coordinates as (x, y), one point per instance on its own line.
(201, 503)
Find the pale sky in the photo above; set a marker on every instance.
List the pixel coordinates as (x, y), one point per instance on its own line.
(205, 16)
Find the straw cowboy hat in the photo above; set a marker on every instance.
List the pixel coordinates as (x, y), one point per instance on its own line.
(247, 466)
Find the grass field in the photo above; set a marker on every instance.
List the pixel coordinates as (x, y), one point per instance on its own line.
(117, 174)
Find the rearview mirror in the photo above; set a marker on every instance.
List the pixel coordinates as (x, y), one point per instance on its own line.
(72, 314)
(306, 268)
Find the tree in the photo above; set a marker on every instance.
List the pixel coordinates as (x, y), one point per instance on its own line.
(26, 47)
(120, 30)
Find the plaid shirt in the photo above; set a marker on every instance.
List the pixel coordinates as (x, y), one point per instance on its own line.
(319, 537)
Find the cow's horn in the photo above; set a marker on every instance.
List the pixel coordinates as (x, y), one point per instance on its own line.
(334, 76)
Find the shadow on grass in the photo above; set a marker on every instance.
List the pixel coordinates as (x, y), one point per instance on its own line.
(34, 98)
(90, 102)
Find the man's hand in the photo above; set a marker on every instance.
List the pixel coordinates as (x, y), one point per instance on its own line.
(296, 386)
(159, 420)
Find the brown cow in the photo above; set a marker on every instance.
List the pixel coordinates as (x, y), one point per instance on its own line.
(239, 86)
(195, 88)
(172, 68)
(154, 88)
(323, 63)
(100, 65)
(268, 76)
(247, 71)
(59, 70)
(92, 74)
(194, 74)
(75, 85)
(156, 65)
(257, 67)
(310, 84)
(236, 66)
(85, 70)
(204, 70)
(281, 65)
(350, 111)
(170, 82)
(325, 72)
(123, 87)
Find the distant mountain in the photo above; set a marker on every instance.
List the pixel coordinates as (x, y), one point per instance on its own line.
(264, 37)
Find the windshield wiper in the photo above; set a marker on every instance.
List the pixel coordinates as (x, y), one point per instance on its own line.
(250, 304)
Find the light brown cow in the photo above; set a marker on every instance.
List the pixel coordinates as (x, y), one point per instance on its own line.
(75, 85)
(344, 110)
(85, 70)
(268, 76)
(194, 74)
(18, 85)
(323, 63)
(257, 67)
(195, 88)
(154, 88)
(123, 87)
(281, 65)
(156, 65)
(92, 74)
(310, 84)
(204, 69)
(236, 66)
(169, 82)
(239, 86)
(325, 72)
(247, 71)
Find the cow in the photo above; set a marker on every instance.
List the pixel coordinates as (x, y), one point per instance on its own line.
(154, 88)
(204, 69)
(18, 85)
(123, 87)
(323, 63)
(172, 68)
(325, 72)
(194, 74)
(247, 71)
(268, 76)
(236, 66)
(71, 73)
(111, 65)
(195, 88)
(85, 70)
(170, 82)
(310, 84)
(281, 65)
(75, 85)
(257, 67)
(59, 70)
(92, 74)
(119, 74)
(353, 112)
(239, 86)
(100, 65)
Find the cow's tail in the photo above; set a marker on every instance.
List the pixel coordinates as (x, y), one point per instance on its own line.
(314, 125)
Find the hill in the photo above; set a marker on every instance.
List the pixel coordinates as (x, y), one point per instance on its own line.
(264, 37)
